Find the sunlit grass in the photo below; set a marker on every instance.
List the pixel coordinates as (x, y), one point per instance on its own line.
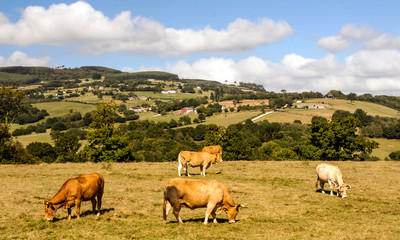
(280, 196)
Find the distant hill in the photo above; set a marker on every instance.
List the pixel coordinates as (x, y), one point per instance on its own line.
(19, 75)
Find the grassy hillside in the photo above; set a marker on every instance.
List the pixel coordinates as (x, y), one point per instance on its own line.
(281, 200)
(386, 146)
(331, 105)
(56, 109)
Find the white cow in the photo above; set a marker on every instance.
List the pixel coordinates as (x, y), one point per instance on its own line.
(331, 174)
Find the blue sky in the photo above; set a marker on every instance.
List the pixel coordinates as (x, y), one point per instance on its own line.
(351, 46)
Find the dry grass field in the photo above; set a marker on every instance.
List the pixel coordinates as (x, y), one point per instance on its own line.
(281, 198)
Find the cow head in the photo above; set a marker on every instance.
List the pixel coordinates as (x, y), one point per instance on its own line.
(342, 190)
(218, 158)
(49, 210)
(231, 212)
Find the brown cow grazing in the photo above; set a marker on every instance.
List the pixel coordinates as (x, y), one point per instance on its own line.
(197, 159)
(213, 149)
(212, 195)
(73, 192)
(331, 174)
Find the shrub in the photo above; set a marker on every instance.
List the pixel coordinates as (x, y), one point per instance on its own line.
(59, 126)
(395, 156)
(43, 151)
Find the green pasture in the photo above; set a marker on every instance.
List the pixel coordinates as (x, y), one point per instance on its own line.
(35, 137)
(221, 119)
(340, 104)
(331, 105)
(386, 146)
(57, 109)
(281, 199)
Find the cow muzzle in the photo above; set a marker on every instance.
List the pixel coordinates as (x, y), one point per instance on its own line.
(49, 219)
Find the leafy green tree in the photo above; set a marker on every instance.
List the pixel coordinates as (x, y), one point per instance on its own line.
(351, 97)
(214, 134)
(42, 150)
(363, 117)
(67, 147)
(185, 120)
(201, 117)
(341, 114)
(337, 140)
(105, 145)
(96, 76)
(11, 104)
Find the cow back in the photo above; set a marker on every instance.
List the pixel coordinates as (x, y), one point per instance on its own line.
(196, 158)
(327, 171)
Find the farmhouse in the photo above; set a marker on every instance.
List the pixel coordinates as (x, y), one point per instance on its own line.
(168, 92)
(310, 106)
(187, 110)
(137, 109)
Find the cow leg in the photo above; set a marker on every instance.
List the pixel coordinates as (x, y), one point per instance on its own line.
(93, 205)
(214, 215)
(78, 207)
(179, 168)
(322, 184)
(176, 210)
(99, 197)
(69, 213)
(330, 186)
(201, 170)
(210, 210)
(187, 170)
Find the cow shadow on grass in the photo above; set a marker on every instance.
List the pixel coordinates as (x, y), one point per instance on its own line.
(200, 220)
(207, 174)
(326, 192)
(84, 214)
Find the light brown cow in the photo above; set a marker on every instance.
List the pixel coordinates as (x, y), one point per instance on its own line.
(213, 149)
(212, 195)
(73, 192)
(197, 159)
(331, 174)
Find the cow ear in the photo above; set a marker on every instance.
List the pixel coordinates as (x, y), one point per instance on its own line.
(348, 186)
(240, 205)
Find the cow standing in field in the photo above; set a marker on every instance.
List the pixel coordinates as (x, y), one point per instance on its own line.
(73, 192)
(212, 195)
(197, 159)
(331, 174)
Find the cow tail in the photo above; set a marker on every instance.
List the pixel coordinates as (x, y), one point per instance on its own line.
(165, 206)
(171, 198)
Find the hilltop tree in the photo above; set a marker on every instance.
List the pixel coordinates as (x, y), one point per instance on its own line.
(351, 97)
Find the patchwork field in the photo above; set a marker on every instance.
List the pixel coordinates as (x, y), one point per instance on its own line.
(281, 198)
(331, 105)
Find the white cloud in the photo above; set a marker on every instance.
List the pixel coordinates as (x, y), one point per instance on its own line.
(334, 44)
(22, 59)
(366, 36)
(364, 72)
(80, 24)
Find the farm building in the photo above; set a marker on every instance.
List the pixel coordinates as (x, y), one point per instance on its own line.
(310, 106)
(187, 110)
